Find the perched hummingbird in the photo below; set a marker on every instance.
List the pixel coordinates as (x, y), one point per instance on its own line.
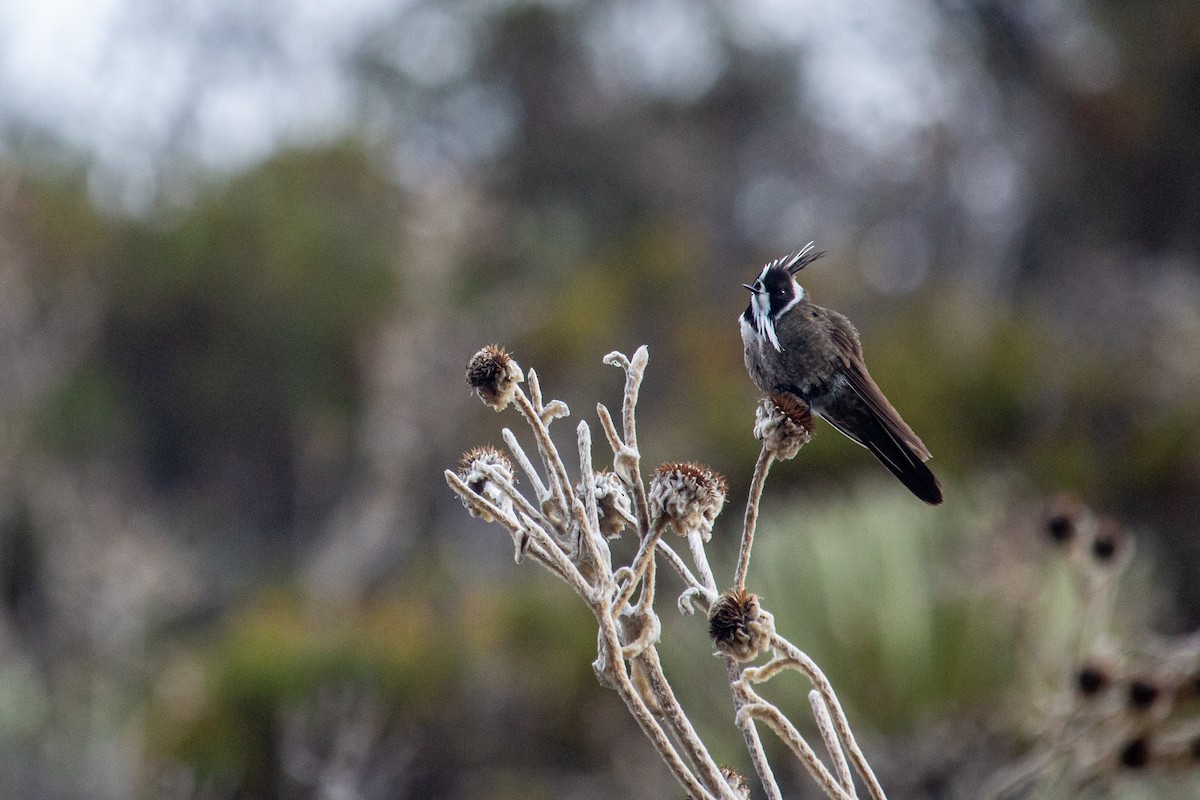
(793, 345)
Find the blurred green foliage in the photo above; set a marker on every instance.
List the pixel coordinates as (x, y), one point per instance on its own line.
(862, 587)
(232, 329)
(411, 653)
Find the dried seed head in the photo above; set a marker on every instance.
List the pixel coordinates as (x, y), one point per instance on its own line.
(494, 376)
(1064, 515)
(1110, 543)
(1135, 754)
(470, 469)
(738, 626)
(612, 504)
(783, 423)
(686, 497)
(737, 781)
(1143, 694)
(1092, 680)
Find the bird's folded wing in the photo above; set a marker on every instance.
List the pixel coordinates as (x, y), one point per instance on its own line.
(854, 371)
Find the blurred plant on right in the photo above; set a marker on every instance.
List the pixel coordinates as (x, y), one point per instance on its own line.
(1123, 717)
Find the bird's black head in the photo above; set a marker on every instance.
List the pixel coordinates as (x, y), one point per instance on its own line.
(775, 290)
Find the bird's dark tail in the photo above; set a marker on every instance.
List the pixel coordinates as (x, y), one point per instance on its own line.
(902, 462)
(865, 416)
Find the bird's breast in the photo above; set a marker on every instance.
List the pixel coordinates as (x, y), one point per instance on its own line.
(756, 355)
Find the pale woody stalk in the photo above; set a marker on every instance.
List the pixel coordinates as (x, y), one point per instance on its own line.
(564, 528)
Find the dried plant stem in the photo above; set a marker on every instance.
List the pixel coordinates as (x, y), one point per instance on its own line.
(641, 564)
(700, 558)
(829, 736)
(562, 531)
(635, 371)
(573, 575)
(786, 731)
(793, 656)
(586, 514)
(646, 600)
(619, 674)
(518, 499)
(761, 468)
(560, 484)
(758, 756)
(681, 568)
(514, 447)
(680, 725)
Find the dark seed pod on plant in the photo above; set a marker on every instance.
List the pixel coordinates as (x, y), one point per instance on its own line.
(494, 376)
(1135, 754)
(1064, 516)
(740, 629)
(1110, 543)
(1143, 694)
(1092, 680)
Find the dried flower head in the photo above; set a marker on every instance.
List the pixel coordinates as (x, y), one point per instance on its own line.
(494, 376)
(1091, 680)
(736, 780)
(1135, 754)
(613, 505)
(687, 497)
(783, 423)
(1064, 516)
(1143, 693)
(1110, 542)
(738, 626)
(470, 469)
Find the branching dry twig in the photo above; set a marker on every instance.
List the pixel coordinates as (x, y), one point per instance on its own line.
(565, 531)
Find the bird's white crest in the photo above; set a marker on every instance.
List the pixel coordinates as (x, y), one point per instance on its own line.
(760, 301)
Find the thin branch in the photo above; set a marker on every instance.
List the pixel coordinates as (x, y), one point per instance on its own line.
(787, 732)
(840, 723)
(641, 563)
(514, 447)
(829, 736)
(758, 756)
(587, 513)
(637, 706)
(700, 558)
(761, 468)
(681, 726)
(556, 472)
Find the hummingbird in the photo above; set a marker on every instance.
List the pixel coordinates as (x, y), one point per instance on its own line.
(793, 345)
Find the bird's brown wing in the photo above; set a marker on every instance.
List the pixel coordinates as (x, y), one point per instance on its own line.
(854, 370)
(865, 416)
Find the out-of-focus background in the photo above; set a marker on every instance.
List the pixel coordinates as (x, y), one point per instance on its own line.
(246, 250)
